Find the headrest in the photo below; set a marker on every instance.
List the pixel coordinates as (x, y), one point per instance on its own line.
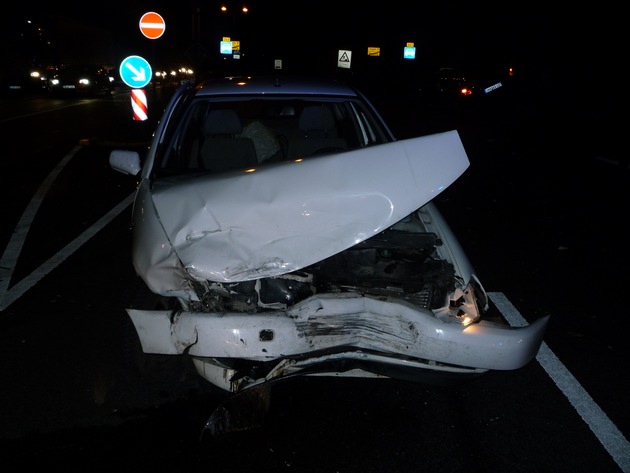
(287, 110)
(222, 122)
(316, 117)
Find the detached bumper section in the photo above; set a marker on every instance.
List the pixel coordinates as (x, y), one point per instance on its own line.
(338, 324)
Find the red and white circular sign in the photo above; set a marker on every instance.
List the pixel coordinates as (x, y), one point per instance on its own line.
(152, 25)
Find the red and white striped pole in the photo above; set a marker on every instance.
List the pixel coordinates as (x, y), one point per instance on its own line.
(139, 104)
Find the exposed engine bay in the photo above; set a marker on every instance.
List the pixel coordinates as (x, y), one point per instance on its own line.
(401, 262)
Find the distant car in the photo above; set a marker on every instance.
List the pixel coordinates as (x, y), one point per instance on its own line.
(27, 79)
(455, 83)
(452, 81)
(279, 229)
(88, 79)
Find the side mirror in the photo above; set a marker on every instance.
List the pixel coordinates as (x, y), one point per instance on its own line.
(127, 162)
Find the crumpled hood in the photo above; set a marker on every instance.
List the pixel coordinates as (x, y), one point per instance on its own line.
(283, 217)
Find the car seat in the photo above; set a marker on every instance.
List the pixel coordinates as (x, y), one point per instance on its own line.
(318, 133)
(223, 149)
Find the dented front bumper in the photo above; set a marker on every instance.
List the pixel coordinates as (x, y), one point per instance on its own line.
(358, 329)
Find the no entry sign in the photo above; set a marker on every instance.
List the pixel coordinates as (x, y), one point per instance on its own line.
(152, 25)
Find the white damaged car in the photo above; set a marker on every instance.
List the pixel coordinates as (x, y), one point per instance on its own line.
(281, 230)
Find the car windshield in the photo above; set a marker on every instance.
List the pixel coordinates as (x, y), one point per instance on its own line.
(239, 133)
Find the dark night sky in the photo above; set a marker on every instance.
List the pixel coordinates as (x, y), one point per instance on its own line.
(280, 25)
(578, 42)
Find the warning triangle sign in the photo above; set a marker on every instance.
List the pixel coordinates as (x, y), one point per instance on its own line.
(343, 59)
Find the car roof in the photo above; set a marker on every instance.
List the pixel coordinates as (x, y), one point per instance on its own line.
(276, 85)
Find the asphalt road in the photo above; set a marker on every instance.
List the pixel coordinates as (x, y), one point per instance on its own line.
(540, 213)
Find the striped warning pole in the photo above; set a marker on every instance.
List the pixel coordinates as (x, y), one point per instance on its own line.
(139, 104)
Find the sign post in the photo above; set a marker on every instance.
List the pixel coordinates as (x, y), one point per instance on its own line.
(139, 104)
(135, 71)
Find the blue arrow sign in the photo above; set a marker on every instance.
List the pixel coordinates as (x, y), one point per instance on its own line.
(135, 71)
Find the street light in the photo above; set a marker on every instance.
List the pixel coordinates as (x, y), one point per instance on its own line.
(233, 18)
(224, 8)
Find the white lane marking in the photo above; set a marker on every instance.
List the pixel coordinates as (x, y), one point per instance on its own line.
(606, 432)
(14, 247)
(10, 296)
